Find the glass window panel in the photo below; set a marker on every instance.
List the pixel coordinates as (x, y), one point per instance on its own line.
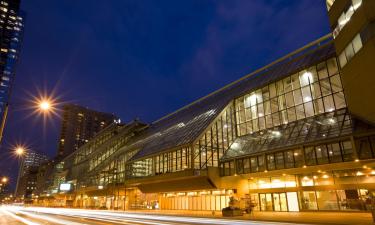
(248, 116)
(322, 70)
(342, 59)
(260, 110)
(309, 109)
(281, 101)
(297, 96)
(357, 43)
(325, 87)
(328, 103)
(269, 123)
(292, 114)
(347, 150)
(262, 123)
(239, 166)
(254, 164)
(318, 105)
(336, 83)
(334, 152)
(306, 94)
(241, 116)
(280, 87)
(327, 200)
(271, 162)
(240, 103)
(265, 93)
(322, 154)
(284, 117)
(289, 159)
(259, 96)
(279, 158)
(339, 100)
(298, 158)
(246, 163)
(267, 107)
(305, 78)
(308, 200)
(249, 127)
(272, 88)
(332, 66)
(287, 84)
(255, 125)
(295, 81)
(349, 51)
(276, 119)
(274, 105)
(261, 163)
(289, 99)
(315, 89)
(310, 156)
(300, 112)
(364, 148)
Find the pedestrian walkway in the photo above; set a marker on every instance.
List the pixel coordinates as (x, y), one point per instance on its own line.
(328, 218)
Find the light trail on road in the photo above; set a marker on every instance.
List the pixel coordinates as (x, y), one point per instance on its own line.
(71, 216)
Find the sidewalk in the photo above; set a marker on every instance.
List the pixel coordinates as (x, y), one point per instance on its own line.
(328, 218)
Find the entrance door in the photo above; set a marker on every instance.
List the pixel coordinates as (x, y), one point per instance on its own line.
(273, 202)
(280, 202)
(266, 202)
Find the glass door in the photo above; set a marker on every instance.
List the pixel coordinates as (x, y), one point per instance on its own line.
(266, 202)
(279, 202)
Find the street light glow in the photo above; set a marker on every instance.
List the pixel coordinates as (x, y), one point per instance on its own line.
(45, 105)
(20, 151)
(4, 180)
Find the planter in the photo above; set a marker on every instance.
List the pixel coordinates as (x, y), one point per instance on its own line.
(231, 212)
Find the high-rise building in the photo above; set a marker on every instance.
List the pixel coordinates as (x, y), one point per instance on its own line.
(353, 26)
(79, 124)
(11, 29)
(26, 181)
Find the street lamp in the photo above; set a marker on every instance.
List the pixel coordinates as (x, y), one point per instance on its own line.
(20, 151)
(4, 180)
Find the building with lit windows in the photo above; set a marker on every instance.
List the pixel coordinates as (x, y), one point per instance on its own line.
(27, 173)
(11, 30)
(283, 138)
(78, 125)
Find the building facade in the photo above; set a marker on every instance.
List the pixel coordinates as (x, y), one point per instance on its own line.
(11, 30)
(79, 124)
(283, 138)
(27, 174)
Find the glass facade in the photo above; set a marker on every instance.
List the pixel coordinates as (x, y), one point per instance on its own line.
(312, 193)
(335, 152)
(310, 92)
(216, 140)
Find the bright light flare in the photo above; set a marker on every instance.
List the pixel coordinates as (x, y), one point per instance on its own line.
(20, 151)
(4, 180)
(45, 105)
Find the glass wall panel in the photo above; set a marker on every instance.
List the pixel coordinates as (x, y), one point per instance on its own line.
(308, 93)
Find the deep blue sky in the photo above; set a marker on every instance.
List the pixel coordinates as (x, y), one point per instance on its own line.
(146, 58)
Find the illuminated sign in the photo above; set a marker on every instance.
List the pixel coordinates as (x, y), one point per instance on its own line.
(65, 187)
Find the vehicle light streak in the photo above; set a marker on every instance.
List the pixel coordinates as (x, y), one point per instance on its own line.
(132, 218)
(23, 220)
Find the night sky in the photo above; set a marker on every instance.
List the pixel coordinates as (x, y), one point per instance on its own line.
(144, 58)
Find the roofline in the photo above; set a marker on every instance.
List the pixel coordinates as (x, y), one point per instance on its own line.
(288, 56)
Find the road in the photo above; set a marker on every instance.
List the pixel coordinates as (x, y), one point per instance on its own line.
(15, 215)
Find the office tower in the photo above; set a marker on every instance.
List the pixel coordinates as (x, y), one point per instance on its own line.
(353, 26)
(26, 181)
(79, 124)
(11, 29)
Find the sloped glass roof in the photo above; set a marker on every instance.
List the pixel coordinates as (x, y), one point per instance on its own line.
(322, 127)
(186, 124)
